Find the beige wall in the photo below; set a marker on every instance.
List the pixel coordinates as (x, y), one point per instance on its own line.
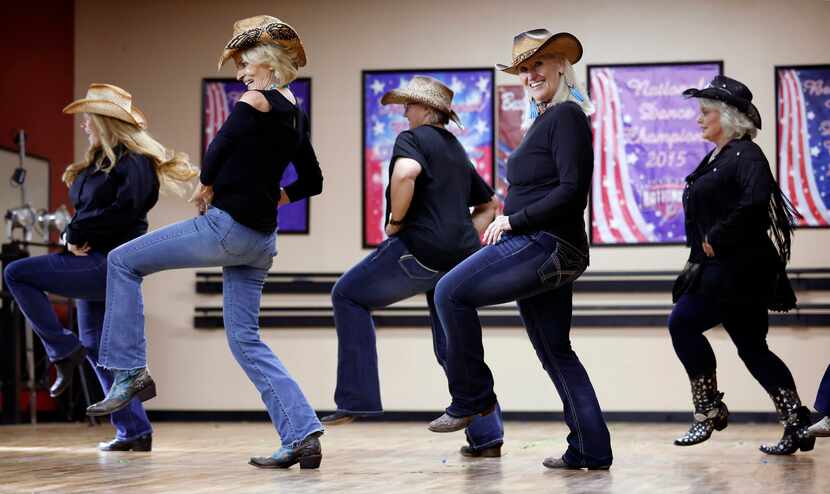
(160, 51)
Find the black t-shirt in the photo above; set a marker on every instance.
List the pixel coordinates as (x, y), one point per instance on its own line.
(550, 175)
(438, 228)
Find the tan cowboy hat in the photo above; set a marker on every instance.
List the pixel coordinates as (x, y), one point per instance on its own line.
(110, 101)
(539, 42)
(426, 91)
(264, 29)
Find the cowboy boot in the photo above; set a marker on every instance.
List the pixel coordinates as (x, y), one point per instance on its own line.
(308, 454)
(710, 411)
(820, 428)
(796, 420)
(65, 370)
(126, 385)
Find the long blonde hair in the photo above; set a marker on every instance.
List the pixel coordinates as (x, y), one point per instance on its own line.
(172, 168)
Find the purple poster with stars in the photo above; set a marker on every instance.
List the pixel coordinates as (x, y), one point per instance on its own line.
(218, 98)
(472, 101)
(646, 141)
(803, 125)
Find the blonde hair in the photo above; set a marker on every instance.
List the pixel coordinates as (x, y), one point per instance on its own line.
(172, 168)
(436, 116)
(734, 123)
(569, 84)
(274, 57)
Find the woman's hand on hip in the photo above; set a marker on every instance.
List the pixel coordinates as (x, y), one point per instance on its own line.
(494, 231)
(202, 196)
(707, 249)
(77, 250)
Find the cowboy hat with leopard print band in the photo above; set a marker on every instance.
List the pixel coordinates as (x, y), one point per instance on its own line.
(539, 42)
(264, 29)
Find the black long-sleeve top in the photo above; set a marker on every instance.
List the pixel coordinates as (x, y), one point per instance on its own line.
(111, 207)
(550, 175)
(245, 161)
(727, 203)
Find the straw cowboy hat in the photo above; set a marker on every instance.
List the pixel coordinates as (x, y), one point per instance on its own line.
(110, 101)
(426, 91)
(731, 92)
(539, 42)
(261, 30)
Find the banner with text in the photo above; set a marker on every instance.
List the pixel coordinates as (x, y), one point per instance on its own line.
(803, 97)
(646, 141)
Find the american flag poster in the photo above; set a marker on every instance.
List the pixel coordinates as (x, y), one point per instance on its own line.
(513, 119)
(646, 141)
(218, 98)
(473, 102)
(803, 130)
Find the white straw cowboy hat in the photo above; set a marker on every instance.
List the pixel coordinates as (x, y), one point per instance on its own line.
(261, 30)
(539, 42)
(426, 91)
(110, 101)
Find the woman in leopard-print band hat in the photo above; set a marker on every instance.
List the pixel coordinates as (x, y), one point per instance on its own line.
(739, 228)
(238, 199)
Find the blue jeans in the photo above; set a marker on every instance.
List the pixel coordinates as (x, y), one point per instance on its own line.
(245, 255)
(823, 396)
(84, 279)
(387, 275)
(537, 270)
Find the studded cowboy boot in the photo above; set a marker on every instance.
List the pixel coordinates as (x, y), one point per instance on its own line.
(796, 420)
(710, 412)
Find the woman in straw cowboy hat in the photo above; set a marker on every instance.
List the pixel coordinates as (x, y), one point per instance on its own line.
(238, 196)
(432, 185)
(534, 253)
(112, 188)
(733, 206)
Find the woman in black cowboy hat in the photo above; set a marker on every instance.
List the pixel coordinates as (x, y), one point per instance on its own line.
(739, 228)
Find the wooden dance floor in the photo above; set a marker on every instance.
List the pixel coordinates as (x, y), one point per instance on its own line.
(377, 458)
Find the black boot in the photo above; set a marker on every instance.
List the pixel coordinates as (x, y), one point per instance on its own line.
(126, 385)
(65, 368)
(710, 411)
(141, 443)
(796, 420)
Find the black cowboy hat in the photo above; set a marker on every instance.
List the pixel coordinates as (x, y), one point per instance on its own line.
(731, 92)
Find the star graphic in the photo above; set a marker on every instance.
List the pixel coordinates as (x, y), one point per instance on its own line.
(482, 84)
(457, 86)
(627, 119)
(377, 86)
(403, 83)
(378, 128)
(815, 151)
(631, 158)
(811, 115)
(481, 126)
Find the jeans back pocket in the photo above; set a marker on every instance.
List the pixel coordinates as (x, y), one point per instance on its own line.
(415, 270)
(564, 265)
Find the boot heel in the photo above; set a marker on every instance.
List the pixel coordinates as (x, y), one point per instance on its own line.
(807, 444)
(147, 393)
(723, 418)
(311, 461)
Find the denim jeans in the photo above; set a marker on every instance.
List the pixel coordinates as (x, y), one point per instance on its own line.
(823, 396)
(84, 279)
(213, 239)
(537, 270)
(389, 274)
(747, 326)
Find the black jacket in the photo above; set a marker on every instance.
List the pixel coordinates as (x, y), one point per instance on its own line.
(111, 207)
(727, 203)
